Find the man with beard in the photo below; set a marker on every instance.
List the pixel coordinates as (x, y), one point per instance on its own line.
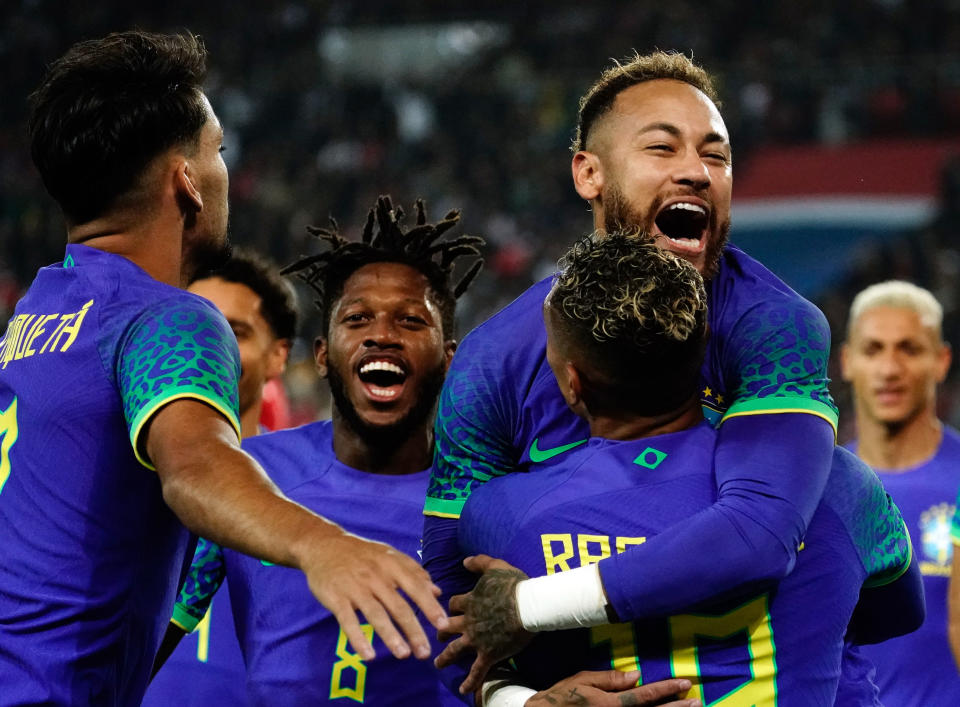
(626, 327)
(260, 307)
(387, 305)
(652, 155)
(118, 397)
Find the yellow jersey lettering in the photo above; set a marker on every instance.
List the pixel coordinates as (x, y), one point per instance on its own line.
(753, 619)
(8, 435)
(623, 542)
(602, 542)
(22, 335)
(56, 332)
(37, 330)
(203, 636)
(557, 562)
(350, 663)
(623, 645)
(13, 335)
(74, 327)
(24, 332)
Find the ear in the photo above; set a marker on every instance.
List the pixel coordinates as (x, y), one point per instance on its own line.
(449, 348)
(845, 362)
(187, 192)
(587, 175)
(320, 355)
(277, 358)
(944, 358)
(572, 388)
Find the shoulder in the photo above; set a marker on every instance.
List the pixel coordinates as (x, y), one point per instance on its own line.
(294, 456)
(513, 329)
(743, 286)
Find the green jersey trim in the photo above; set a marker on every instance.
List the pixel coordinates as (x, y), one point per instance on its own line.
(182, 619)
(186, 392)
(778, 404)
(443, 508)
(885, 578)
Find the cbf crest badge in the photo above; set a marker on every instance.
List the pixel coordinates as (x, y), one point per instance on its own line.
(935, 539)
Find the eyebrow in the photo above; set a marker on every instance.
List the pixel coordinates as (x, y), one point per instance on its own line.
(675, 131)
(362, 300)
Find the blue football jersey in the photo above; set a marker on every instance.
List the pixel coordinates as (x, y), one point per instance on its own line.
(500, 408)
(293, 647)
(918, 668)
(91, 556)
(206, 668)
(778, 644)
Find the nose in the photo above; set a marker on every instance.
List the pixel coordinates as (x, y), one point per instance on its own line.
(382, 334)
(889, 365)
(690, 170)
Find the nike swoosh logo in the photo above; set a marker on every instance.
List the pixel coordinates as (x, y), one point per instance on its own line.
(541, 455)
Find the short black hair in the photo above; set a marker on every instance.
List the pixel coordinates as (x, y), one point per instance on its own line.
(600, 97)
(419, 247)
(278, 301)
(635, 315)
(107, 108)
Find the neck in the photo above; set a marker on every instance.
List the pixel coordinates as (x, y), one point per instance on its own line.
(250, 420)
(898, 447)
(627, 427)
(383, 454)
(148, 244)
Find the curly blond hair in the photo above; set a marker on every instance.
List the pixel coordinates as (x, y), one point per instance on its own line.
(632, 314)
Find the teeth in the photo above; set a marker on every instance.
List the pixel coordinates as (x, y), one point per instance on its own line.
(684, 206)
(383, 392)
(685, 241)
(381, 366)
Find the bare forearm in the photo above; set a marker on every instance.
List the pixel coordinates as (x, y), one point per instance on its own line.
(225, 497)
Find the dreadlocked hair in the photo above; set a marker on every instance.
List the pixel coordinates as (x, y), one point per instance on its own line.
(384, 240)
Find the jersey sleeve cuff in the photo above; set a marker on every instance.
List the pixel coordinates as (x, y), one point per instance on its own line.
(443, 508)
(195, 393)
(183, 619)
(777, 405)
(894, 573)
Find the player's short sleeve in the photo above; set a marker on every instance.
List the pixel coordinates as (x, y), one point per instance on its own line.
(203, 579)
(179, 347)
(473, 440)
(873, 520)
(777, 358)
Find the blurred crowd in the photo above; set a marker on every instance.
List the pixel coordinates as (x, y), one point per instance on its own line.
(310, 134)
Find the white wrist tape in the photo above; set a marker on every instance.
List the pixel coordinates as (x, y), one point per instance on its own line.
(507, 696)
(564, 600)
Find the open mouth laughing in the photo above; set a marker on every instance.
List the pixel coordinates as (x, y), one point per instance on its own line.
(382, 377)
(685, 223)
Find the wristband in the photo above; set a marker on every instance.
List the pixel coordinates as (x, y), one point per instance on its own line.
(564, 600)
(503, 693)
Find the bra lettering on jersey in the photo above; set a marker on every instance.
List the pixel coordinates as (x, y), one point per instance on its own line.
(559, 548)
(26, 331)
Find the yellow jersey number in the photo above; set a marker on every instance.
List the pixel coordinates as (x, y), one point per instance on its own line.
(8, 435)
(350, 664)
(753, 618)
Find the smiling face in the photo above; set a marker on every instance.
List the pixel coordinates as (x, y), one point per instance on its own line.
(660, 161)
(385, 354)
(894, 363)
